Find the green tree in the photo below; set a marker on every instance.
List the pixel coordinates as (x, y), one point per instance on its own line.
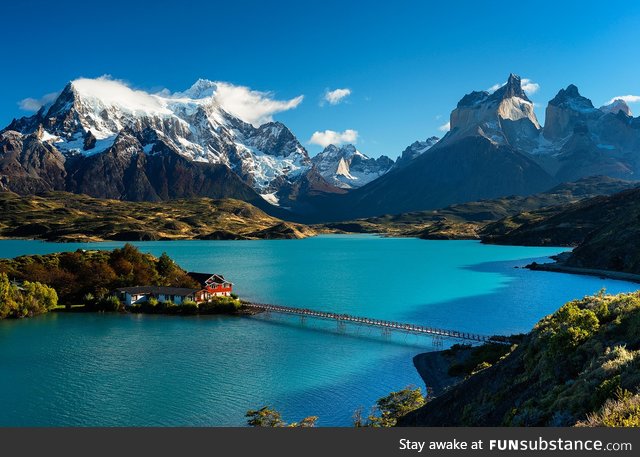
(307, 422)
(166, 266)
(8, 294)
(267, 417)
(389, 409)
(264, 417)
(37, 298)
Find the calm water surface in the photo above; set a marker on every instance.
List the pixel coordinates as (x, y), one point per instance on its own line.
(93, 369)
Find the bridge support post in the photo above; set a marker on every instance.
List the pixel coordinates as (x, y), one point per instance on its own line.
(342, 327)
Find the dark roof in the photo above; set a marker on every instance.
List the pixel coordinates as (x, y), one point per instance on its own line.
(202, 278)
(158, 290)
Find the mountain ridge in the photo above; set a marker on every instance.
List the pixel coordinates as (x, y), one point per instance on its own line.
(105, 139)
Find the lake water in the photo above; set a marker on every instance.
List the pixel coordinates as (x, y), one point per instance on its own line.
(104, 369)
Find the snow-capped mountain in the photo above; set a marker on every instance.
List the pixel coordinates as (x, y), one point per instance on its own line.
(102, 138)
(346, 167)
(414, 150)
(94, 117)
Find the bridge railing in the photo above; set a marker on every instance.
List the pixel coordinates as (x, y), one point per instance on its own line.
(400, 326)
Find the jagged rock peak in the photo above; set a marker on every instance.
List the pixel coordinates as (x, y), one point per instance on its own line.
(513, 88)
(570, 97)
(616, 106)
(417, 148)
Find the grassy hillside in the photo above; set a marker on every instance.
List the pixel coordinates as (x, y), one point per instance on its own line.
(60, 216)
(468, 220)
(580, 365)
(606, 231)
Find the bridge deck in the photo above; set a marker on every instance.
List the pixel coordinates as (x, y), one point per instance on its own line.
(391, 325)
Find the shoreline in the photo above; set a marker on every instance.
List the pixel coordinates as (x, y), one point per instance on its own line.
(433, 368)
(556, 267)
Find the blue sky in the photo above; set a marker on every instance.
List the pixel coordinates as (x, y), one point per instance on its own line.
(406, 63)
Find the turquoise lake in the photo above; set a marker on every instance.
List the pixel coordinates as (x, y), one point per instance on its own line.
(105, 369)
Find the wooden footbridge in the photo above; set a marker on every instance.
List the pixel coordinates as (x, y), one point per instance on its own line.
(386, 326)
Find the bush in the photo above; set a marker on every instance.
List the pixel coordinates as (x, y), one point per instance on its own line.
(570, 326)
(267, 417)
(110, 303)
(189, 307)
(389, 409)
(623, 411)
(221, 305)
(30, 299)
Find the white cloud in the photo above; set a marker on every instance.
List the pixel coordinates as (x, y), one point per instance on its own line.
(328, 137)
(527, 85)
(626, 98)
(252, 106)
(445, 127)
(336, 96)
(255, 107)
(34, 104)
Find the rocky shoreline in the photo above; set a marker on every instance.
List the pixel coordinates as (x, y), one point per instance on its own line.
(433, 368)
(559, 267)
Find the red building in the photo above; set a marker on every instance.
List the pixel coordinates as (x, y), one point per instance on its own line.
(212, 285)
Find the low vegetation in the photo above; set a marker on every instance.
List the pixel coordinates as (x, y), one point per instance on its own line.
(605, 232)
(485, 219)
(217, 305)
(267, 417)
(25, 299)
(476, 358)
(385, 413)
(580, 365)
(87, 277)
(60, 216)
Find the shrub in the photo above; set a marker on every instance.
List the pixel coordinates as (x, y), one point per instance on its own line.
(389, 409)
(570, 326)
(110, 303)
(267, 417)
(623, 411)
(189, 307)
(220, 305)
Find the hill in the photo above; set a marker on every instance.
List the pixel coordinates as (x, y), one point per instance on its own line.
(467, 220)
(61, 216)
(605, 231)
(581, 365)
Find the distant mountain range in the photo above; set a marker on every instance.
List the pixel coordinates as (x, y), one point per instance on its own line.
(106, 140)
(496, 147)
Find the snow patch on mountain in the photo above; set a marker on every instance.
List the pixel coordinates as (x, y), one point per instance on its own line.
(615, 106)
(414, 150)
(90, 114)
(348, 168)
